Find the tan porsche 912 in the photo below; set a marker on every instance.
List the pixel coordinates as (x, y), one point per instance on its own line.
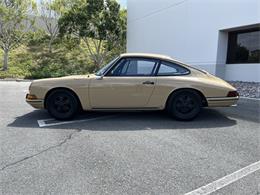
(134, 82)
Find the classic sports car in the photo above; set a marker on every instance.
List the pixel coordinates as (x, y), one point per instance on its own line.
(134, 82)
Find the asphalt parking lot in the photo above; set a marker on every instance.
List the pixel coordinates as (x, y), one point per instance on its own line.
(127, 153)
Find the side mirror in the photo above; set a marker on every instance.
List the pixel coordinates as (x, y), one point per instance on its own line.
(99, 77)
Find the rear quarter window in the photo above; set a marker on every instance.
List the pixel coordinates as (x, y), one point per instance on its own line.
(171, 69)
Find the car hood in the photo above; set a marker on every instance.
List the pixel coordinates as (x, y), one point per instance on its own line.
(78, 76)
(65, 78)
(67, 81)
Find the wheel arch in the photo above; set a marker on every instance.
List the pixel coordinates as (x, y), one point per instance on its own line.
(203, 98)
(62, 88)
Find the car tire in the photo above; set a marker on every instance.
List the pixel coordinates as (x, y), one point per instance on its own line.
(184, 105)
(62, 104)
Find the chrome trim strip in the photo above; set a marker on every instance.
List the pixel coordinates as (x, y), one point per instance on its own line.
(34, 101)
(127, 109)
(223, 98)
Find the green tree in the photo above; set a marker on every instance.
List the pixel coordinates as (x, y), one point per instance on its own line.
(123, 26)
(15, 21)
(50, 12)
(97, 23)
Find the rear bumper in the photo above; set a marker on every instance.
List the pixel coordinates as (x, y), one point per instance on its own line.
(36, 103)
(222, 101)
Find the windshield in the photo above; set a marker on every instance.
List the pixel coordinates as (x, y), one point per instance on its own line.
(106, 67)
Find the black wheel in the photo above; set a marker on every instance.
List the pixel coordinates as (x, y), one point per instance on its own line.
(62, 104)
(185, 105)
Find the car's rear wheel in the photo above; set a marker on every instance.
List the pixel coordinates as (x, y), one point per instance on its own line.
(185, 105)
(62, 104)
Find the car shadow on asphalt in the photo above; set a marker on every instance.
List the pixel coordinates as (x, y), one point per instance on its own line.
(125, 121)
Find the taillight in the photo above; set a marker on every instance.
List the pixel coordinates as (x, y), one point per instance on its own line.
(233, 94)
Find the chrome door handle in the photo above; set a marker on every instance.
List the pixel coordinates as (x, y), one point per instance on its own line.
(148, 83)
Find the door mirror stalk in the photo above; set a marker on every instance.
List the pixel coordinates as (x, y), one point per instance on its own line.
(100, 77)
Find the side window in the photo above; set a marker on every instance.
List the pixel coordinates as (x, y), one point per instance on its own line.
(134, 67)
(170, 69)
(118, 69)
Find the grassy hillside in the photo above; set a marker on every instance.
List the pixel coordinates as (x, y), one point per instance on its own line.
(33, 61)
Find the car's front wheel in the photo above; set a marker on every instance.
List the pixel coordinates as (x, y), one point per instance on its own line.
(62, 104)
(185, 105)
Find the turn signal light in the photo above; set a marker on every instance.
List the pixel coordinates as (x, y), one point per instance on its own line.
(233, 94)
(31, 97)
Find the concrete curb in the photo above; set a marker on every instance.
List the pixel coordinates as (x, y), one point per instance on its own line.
(249, 98)
(17, 80)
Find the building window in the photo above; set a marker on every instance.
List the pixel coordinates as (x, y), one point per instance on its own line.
(244, 46)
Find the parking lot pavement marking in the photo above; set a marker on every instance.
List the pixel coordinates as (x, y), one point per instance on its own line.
(42, 123)
(224, 181)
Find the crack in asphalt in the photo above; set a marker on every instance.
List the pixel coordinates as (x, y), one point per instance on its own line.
(69, 137)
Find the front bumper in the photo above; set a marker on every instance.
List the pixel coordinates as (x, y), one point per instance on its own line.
(36, 103)
(222, 101)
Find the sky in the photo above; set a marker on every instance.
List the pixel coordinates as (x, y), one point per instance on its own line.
(123, 3)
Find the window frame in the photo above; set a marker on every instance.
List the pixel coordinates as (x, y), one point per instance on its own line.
(230, 45)
(171, 75)
(114, 61)
(155, 68)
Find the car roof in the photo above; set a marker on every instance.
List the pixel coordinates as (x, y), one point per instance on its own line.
(147, 55)
(156, 56)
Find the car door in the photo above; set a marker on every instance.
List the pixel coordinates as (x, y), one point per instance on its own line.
(169, 77)
(128, 85)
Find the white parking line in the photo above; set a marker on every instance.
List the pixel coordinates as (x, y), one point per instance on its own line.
(224, 181)
(42, 123)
